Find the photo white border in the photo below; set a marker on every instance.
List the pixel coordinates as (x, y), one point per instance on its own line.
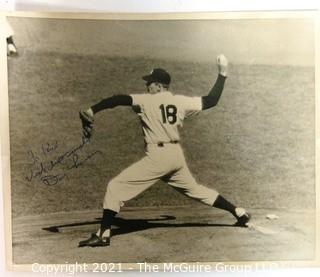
(5, 139)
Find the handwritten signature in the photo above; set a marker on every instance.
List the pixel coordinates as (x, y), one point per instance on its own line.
(53, 170)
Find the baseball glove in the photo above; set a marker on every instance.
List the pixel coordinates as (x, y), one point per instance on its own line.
(87, 124)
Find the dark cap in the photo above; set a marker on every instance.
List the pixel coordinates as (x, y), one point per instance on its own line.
(158, 75)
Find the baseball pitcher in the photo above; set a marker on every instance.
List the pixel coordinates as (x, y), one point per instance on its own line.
(161, 113)
(9, 33)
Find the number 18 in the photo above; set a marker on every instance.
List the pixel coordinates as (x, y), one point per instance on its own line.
(169, 113)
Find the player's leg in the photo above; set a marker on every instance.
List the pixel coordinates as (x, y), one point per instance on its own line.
(12, 50)
(184, 182)
(11, 47)
(128, 184)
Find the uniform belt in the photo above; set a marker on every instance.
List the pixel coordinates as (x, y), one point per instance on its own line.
(161, 144)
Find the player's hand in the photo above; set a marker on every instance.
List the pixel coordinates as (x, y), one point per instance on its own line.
(222, 63)
(87, 124)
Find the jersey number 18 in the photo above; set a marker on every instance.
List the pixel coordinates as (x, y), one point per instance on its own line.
(169, 113)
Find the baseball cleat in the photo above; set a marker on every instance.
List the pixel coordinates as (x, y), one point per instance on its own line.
(243, 217)
(95, 241)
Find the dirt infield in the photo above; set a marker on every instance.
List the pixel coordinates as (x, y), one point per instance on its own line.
(166, 234)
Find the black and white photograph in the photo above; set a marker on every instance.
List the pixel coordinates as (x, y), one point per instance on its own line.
(156, 139)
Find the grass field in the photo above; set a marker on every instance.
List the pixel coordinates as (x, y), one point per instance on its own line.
(256, 147)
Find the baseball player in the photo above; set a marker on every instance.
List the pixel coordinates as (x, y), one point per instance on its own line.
(11, 47)
(161, 113)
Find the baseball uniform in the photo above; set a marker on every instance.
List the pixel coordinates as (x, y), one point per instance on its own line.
(9, 33)
(161, 114)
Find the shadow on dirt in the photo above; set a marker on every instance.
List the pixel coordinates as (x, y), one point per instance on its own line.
(125, 226)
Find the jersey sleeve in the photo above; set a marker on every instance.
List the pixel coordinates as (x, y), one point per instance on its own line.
(194, 104)
(138, 102)
(138, 99)
(190, 105)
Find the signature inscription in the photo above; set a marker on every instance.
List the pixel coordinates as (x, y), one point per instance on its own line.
(51, 168)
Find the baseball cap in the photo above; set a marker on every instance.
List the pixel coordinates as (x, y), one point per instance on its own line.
(158, 75)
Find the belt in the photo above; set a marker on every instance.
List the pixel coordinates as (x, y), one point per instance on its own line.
(161, 144)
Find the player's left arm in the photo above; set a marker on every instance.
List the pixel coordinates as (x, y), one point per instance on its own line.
(87, 117)
(111, 102)
(214, 95)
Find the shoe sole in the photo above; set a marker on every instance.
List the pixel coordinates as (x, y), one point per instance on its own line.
(94, 245)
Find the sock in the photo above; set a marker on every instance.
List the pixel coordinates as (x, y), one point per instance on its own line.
(105, 234)
(107, 218)
(222, 203)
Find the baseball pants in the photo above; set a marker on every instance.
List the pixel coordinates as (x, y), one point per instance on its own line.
(165, 163)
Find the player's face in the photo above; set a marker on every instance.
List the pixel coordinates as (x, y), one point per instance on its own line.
(154, 87)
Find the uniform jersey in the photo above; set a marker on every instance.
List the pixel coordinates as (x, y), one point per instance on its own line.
(162, 113)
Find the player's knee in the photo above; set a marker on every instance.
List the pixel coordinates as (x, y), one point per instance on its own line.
(112, 186)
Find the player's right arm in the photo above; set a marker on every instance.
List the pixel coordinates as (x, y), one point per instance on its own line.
(214, 95)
